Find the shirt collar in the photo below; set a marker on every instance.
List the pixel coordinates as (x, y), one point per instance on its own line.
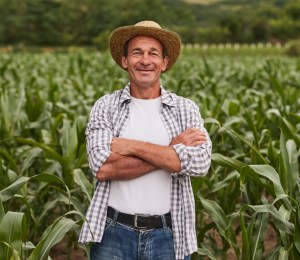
(166, 96)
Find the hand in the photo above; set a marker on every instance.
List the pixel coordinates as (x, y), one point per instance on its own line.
(190, 137)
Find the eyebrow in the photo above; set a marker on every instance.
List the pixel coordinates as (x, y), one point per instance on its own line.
(140, 49)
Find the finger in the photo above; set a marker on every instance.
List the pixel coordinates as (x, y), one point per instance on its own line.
(195, 139)
(197, 143)
(197, 136)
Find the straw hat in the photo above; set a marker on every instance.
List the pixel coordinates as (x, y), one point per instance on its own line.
(170, 40)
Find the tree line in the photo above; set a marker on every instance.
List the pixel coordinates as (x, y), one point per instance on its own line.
(89, 22)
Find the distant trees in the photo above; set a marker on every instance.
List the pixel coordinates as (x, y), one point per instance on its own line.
(89, 22)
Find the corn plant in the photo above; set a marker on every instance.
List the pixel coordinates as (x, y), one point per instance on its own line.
(251, 107)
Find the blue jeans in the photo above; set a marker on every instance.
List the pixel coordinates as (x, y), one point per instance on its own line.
(122, 242)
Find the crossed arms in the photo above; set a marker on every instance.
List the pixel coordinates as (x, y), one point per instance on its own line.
(114, 158)
(130, 159)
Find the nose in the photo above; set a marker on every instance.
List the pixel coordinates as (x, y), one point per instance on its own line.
(145, 59)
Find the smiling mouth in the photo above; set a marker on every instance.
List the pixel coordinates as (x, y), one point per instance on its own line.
(145, 71)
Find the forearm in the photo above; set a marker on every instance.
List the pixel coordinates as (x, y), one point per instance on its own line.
(119, 167)
(163, 157)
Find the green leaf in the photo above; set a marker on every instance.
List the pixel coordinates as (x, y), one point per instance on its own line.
(270, 173)
(225, 182)
(245, 239)
(216, 213)
(11, 160)
(212, 121)
(258, 236)
(32, 154)
(279, 220)
(293, 156)
(284, 166)
(71, 201)
(8, 252)
(12, 189)
(227, 161)
(283, 254)
(47, 149)
(205, 251)
(81, 180)
(48, 178)
(69, 140)
(11, 231)
(53, 235)
(297, 232)
(249, 173)
(218, 216)
(252, 147)
(47, 209)
(2, 212)
(289, 130)
(251, 123)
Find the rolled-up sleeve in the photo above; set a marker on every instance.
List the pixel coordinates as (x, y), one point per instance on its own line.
(98, 135)
(195, 160)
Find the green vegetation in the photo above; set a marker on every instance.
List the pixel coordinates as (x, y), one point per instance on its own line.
(251, 109)
(88, 22)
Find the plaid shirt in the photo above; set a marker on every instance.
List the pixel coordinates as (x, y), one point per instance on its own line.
(108, 119)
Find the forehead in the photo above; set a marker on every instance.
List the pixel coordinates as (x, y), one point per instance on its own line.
(144, 41)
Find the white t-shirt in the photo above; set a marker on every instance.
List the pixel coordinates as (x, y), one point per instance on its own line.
(150, 193)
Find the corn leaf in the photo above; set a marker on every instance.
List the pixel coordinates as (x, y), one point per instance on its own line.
(12, 163)
(47, 149)
(12, 231)
(258, 235)
(269, 172)
(283, 254)
(53, 235)
(227, 161)
(32, 154)
(205, 251)
(253, 148)
(290, 132)
(81, 180)
(69, 141)
(12, 189)
(2, 212)
(217, 214)
(8, 252)
(282, 224)
(297, 232)
(224, 183)
(245, 239)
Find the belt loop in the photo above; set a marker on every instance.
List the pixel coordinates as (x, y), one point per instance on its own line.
(164, 221)
(114, 220)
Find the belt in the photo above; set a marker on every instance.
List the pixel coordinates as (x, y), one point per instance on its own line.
(141, 221)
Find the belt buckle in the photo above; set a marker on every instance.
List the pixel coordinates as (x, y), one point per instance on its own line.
(136, 216)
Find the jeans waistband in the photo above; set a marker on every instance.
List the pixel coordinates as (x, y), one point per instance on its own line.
(141, 221)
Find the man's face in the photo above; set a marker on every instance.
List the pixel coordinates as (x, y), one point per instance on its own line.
(145, 61)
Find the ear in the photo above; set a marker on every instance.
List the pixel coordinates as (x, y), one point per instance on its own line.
(124, 62)
(165, 63)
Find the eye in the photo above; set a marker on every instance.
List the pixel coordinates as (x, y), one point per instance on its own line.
(136, 53)
(154, 54)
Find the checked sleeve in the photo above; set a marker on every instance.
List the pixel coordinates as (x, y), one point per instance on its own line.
(99, 134)
(195, 161)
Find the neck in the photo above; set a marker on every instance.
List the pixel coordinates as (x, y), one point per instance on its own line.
(145, 92)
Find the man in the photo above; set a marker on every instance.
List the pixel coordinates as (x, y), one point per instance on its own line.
(143, 145)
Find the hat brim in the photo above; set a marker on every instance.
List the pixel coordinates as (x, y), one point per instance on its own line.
(170, 40)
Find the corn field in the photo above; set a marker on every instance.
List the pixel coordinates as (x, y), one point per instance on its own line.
(251, 107)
